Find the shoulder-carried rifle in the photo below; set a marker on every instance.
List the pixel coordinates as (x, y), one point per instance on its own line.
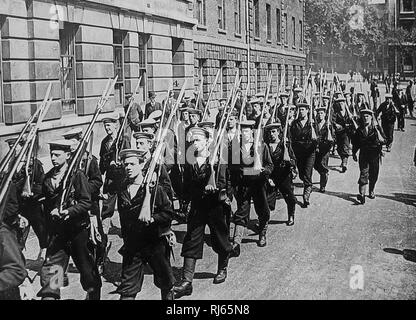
(74, 164)
(214, 84)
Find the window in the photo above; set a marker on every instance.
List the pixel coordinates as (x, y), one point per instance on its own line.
(258, 77)
(269, 22)
(406, 6)
(201, 63)
(256, 19)
(286, 28)
(118, 56)
(201, 12)
(294, 31)
(237, 16)
(302, 76)
(238, 69)
(143, 39)
(408, 62)
(301, 34)
(279, 76)
(67, 72)
(1, 79)
(278, 26)
(223, 88)
(221, 14)
(286, 74)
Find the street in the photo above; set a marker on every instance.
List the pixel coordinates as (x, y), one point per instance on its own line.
(319, 257)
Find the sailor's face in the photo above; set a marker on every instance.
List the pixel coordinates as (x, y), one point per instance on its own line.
(367, 118)
(303, 112)
(133, 167)
(185, 116)
(110, 128)
(59, 157)
(320, 115)
(232, 122)
(284, 100)
(199, 143)
(194, 118)
(18, 147)
(274, 135)
(247, 134)
(143, 144)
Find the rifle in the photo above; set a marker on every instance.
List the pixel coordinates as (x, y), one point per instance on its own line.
(121, 130)
(29, 141)
(257, 162)
(279, 89)
(76, 159)
(36, 115)
(146, 210)
(210, 94)
(330, 106)
(348, 110)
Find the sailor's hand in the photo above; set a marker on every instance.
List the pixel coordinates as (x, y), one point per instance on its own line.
(354, 157)
(23, 222)
(271, 183)
(209, 189)
(64, 214)
(55, 213)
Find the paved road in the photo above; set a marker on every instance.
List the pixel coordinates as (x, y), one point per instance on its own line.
(313, 259)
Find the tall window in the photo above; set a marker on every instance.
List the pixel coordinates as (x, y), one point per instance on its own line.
(67, 72)
(258, 77)
(287, 75)
(237, 16)
(256, 19)
(223, 88)
(294, 31)
(278, 26)
(201, 12)
(201, 63)
(286, 28)
(301, 34)
(221, 14)
(1, 80)
(118, 39)
(269, 22)
(143, 38)
(238, 69)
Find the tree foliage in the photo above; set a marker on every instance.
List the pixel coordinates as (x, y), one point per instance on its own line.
(351, 25)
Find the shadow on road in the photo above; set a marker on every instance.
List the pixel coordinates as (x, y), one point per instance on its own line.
(408, 254)
(345, 196)
(177, 272)
(405, 198)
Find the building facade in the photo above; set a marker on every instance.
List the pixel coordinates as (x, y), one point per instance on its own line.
(79, 45)
(267, 35)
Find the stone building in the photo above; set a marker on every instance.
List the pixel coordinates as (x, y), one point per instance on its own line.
(266, 34)
(78, 45)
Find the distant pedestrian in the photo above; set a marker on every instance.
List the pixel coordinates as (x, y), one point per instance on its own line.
(411, 97)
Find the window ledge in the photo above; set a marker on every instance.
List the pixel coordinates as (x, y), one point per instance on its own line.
(269, 41)
(222, 31)
(201, 27)
(238, 35)
(257, 38)
(294, 47)
(279, 43)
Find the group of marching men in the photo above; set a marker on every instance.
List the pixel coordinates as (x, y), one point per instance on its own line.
(205, 166)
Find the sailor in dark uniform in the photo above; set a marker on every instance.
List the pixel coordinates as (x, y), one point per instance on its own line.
(284, 170)
(68, 229)
(207, 193)
(369, 140)
(147, 233)
(304, 147)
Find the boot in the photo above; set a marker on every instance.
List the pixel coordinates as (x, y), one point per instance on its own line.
(185, 286)
(222, 269)
(361, 196)
(323, 182)
(372, 195)
(262, 237)
(167, 294)
(344, 165)
(291, 213)
(306, 196)
(94, 294)
(238, 236)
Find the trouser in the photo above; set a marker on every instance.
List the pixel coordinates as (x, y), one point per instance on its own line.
(60, 249)
(343, 147)
(156, 254)
(215, 216)
(401, 119)
(101, 246)
(305, 163)
(286, 189)
(410, 106)
(388, 128)
(321, 165)
(109, 206)
(177, 181)
(34, 214)
(369, 169)
(255, 191)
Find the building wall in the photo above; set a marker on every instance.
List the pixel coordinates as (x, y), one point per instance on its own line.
(31, 56)
(213, 44)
